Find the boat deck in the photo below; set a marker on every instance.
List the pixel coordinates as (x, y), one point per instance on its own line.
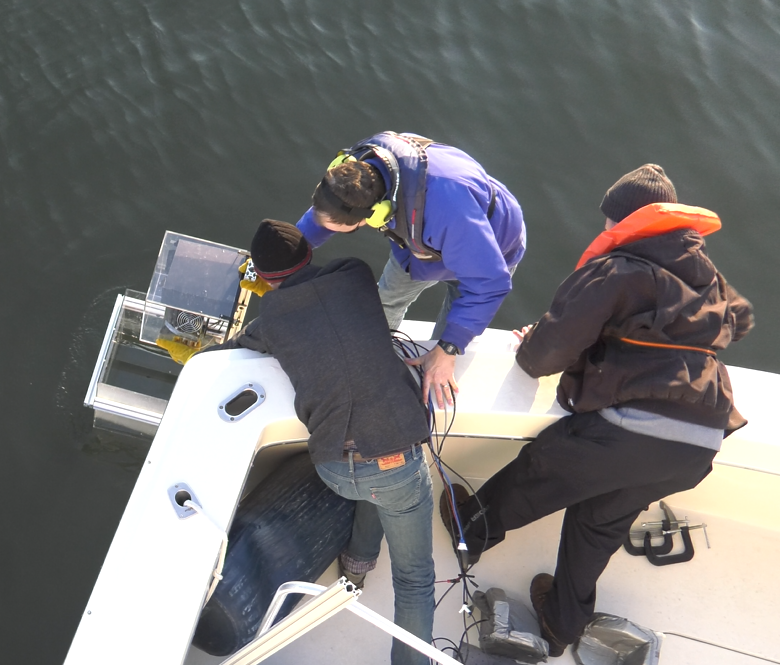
(715, 609)
(727, 597)
(720, 608)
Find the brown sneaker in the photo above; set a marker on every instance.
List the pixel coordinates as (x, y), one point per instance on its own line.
(467, 558)
(540, 587)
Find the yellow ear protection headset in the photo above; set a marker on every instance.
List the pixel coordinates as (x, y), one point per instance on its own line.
(341, 158)
(383, 211)
(376, 216)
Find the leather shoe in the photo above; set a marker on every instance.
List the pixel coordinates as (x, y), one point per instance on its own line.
(467, 558)
(540, 588)
(358, 579)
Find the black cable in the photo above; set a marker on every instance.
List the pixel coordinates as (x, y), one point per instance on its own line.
(454, 648)
(407, 348)
(465, 634)
(444, 595)
(461, 578)
(479, 504)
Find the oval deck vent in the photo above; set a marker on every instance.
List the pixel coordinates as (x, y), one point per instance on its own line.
(242, 402)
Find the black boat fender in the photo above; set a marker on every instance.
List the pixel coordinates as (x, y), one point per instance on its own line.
(291, 527)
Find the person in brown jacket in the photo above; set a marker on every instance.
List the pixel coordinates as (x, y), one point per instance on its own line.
(635, 331)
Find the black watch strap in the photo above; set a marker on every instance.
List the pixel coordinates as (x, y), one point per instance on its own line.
(448, 347)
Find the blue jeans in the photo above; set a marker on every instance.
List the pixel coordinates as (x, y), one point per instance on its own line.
(397, 290)
(399, 503)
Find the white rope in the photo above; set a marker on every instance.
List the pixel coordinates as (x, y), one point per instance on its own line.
(722, 646)
(217, 573)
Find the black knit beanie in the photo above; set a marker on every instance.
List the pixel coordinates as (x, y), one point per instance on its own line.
(643, 186)
(279, 250)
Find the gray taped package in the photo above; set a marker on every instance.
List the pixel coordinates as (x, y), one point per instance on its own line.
(612, 640)
(510, 629)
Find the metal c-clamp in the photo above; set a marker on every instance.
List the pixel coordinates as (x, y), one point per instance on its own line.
(659, 555)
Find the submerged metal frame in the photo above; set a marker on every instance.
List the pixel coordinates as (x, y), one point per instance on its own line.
(326, 602)
(115, 402)
(89, 398)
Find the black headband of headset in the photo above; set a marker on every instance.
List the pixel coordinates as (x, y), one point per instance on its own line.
(331, 197)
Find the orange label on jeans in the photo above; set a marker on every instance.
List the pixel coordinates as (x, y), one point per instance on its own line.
(391, 461)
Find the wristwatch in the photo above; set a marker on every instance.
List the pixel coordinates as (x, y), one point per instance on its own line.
(448, 347)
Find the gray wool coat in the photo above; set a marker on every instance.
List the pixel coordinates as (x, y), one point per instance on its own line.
(327, 329)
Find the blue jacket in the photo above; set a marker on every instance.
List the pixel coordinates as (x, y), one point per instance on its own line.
(476, 251)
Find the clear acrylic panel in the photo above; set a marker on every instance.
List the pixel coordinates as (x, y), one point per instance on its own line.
(196, 275)
(194, 290)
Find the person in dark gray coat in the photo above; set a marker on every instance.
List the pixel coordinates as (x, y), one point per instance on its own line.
(362, 407)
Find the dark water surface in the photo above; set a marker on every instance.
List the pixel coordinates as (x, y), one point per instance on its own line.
(120, 119)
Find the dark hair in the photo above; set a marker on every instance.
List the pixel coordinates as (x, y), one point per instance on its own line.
(356, 184)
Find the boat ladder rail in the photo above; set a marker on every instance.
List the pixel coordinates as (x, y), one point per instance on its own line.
(325, 602)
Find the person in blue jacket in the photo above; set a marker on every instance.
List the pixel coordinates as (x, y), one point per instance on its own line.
(448, 221)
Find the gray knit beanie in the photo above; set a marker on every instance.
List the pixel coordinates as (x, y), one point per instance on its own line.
(643, 186)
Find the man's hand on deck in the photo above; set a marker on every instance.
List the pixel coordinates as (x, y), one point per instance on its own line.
(439, 369)
(520, 334)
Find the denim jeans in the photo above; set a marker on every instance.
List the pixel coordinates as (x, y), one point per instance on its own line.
(399, 503)
(397, 290)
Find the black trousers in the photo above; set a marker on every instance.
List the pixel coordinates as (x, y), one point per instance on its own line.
(604, 476)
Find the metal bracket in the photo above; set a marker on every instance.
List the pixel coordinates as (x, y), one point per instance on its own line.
(327, 601)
